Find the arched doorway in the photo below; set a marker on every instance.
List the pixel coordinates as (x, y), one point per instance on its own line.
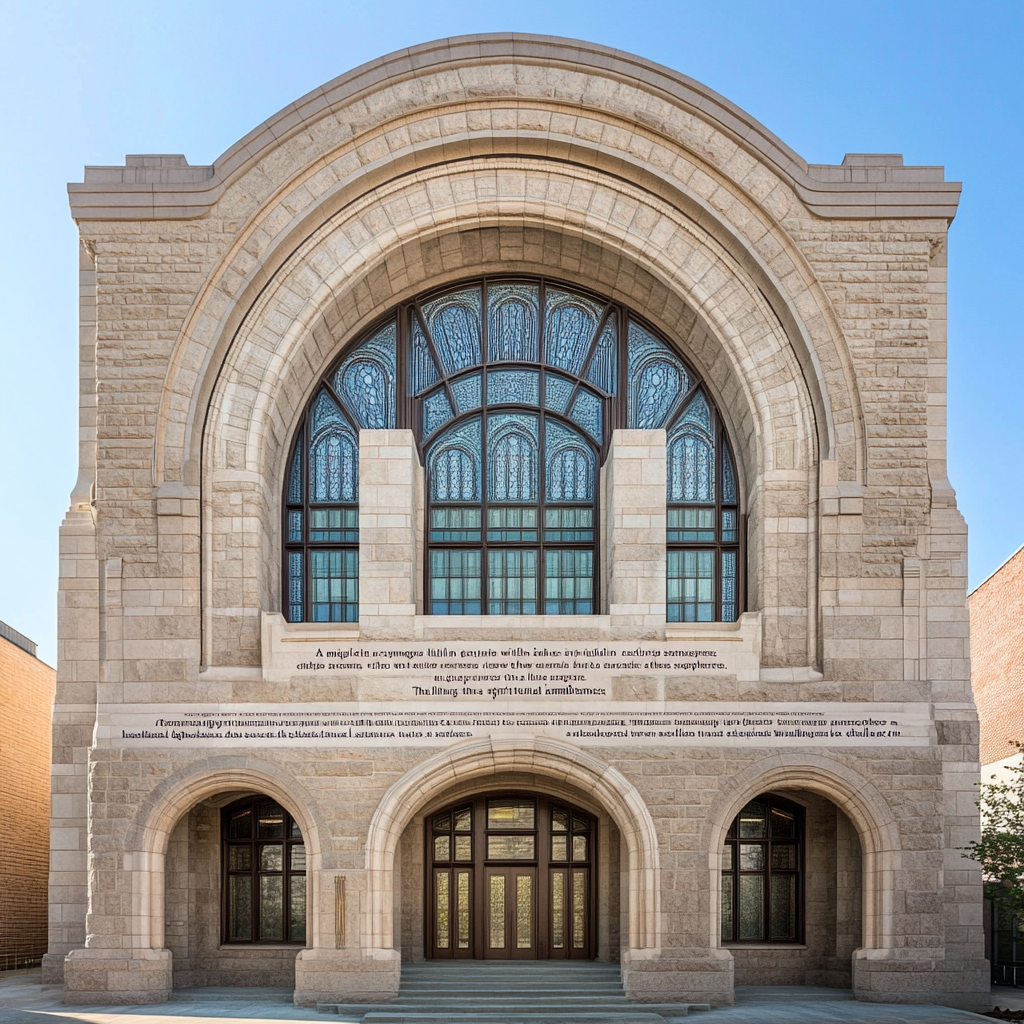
(511, 876)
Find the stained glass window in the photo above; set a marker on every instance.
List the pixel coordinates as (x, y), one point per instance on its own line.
(265, 868)
(513, 388)
(762, 873)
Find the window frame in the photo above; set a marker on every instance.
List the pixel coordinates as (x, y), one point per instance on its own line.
(732, 843)
(408, 414)
(288, 842)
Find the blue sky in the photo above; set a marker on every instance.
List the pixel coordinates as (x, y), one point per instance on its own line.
(86, 83)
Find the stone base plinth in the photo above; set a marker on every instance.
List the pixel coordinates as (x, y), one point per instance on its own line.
(678, 976)
(53, 968)
(338, 976)
(117, 977)
(894, 976)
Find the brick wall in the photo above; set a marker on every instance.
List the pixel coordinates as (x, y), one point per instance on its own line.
(997, 658)
(26, 699)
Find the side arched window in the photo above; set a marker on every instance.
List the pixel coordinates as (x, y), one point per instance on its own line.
(512, 388)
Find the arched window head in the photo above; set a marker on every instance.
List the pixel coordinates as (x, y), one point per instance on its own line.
(512, 388)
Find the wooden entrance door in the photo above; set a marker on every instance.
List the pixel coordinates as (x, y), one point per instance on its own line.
(511, 877)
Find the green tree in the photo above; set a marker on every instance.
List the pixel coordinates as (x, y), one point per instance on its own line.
(1001, 850)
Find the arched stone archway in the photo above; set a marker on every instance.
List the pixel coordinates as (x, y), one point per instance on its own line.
(482, 758)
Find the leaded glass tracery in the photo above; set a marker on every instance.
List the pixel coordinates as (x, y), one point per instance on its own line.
(513, 388)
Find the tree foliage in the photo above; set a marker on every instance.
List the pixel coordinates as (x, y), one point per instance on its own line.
(1001, 850)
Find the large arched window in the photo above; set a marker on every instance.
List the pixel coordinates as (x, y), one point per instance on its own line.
(512, 388)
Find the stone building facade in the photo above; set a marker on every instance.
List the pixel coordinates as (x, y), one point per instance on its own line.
(719, 743)
(26, 703)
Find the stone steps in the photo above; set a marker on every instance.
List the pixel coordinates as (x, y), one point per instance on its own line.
(530, 992)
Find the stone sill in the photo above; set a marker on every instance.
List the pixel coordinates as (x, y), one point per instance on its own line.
(259, 947)
(764, 945)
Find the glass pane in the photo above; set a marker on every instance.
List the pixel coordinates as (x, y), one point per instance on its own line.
(570, 322)
(454, 324)
(729, 521)
(783, 908)
(559, 821)
(691, 454)
(579, 823)
(455, 583)
(239, 858)
(442, 903)
(366, 380)
(333, 454)
(512, 315)
(437, 411)
(297, 901)
(783, 857)
(463, 848)
(295, 585)
(569, 525)
(751, 906)
(271, 858)
(728, 479)
(422, 368)
(691, 524)
(294, 526)
(453, 463)
(727, 884)
(727, 858)
(586, 411)
(569, 583)
(729, 586)
(604, 363)
(557, 391)
(559, 847)
(240, 908)
(298, 858)
(241, 825)
(558, 910)
(569, 467)
(296, 832)
(463, 897)
(463, 820)
(467, 392)
(751, 857)
(340, 525)
(754, 821)
(496, 931)
(579, 897)
(524, 911)
(443, 823)
(455, 524)
(510, 848)
(295, 475)
(511, 814)
(271, 907)
(270, 821)
(516, 387)
(512, 524)
(691, 586)
(579, 847)
(442, 848)
(657, 380)
(783, 824)
(512, 582)
(512, 457)
(335, 585)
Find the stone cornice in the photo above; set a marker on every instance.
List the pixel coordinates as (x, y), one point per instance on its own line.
(864, 186)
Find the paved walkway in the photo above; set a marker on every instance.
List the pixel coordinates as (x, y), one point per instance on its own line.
(23, 1000)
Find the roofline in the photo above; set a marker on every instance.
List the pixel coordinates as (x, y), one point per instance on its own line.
(996, 571)
(165, 186)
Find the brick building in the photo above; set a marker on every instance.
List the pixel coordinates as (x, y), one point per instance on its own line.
(26, 704)
(513, 524)
(997, 660)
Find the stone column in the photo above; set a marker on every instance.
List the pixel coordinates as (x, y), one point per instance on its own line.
(633, 486)
(388, 516)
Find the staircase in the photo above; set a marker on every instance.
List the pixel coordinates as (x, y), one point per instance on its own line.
(524, 992)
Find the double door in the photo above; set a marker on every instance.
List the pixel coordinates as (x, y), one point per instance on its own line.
(510, 878)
